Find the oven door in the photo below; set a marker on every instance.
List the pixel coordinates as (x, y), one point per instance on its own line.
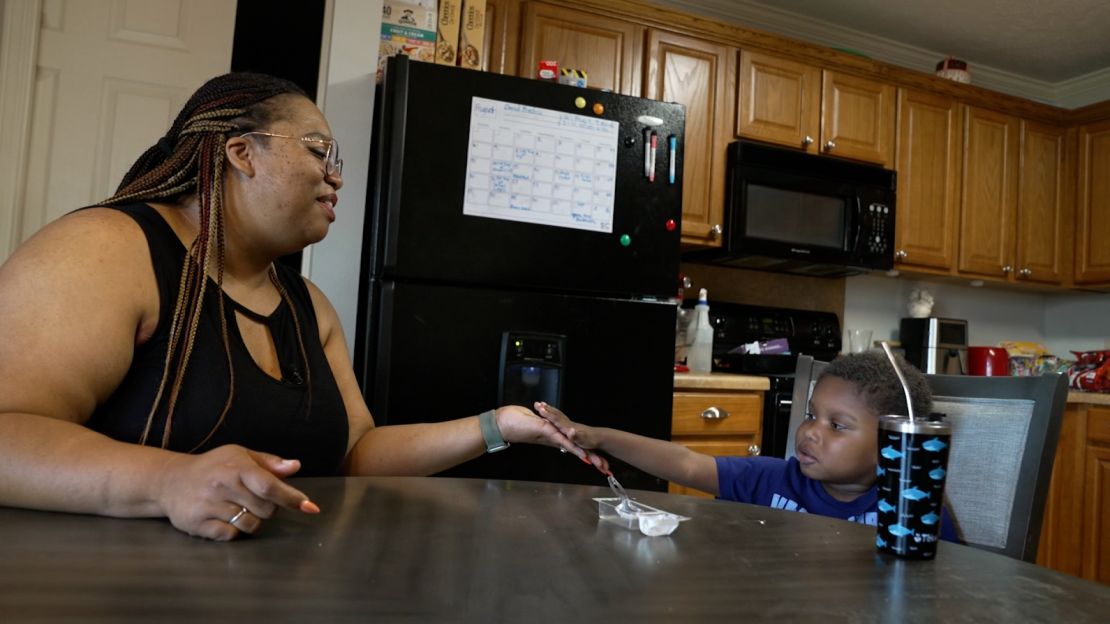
(776, 416)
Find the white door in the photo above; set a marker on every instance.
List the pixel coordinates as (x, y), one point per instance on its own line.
(109, 77)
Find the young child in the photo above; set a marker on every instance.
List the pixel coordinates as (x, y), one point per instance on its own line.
(835, 447)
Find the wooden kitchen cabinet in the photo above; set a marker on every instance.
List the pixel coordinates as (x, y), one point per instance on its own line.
(857, 118)
(989, 193)
(1092, 250)
(716, 422)
(607, 49)
(1075, 537)
(1045, 203)
(1016, 212)
(779, 100)
(701, 76)
(502, 37)
(1096, 531)
(821, 111)
(928, 165)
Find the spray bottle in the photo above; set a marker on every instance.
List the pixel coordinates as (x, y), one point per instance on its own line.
(700, 358)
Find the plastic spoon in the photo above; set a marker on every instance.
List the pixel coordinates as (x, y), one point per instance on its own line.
(625, 506)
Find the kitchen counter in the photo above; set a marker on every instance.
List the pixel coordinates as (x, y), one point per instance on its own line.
(1075, 396)
(720, 381)
(728, 381)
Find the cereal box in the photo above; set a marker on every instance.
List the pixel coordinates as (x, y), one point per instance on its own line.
(447, 33)
(408, 27)
(473, 34)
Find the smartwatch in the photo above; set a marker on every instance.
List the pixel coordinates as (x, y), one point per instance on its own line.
(491, 433)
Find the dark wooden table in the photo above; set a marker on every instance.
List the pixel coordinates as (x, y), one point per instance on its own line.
(430, 549)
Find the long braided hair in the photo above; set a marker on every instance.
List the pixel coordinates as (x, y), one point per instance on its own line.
(190, 158)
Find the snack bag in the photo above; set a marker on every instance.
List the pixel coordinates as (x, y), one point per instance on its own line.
(1023, 349)
(1091, 371)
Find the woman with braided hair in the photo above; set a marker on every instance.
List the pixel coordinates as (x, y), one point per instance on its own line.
(156, 360)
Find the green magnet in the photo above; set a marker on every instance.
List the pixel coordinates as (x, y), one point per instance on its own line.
(626, 240)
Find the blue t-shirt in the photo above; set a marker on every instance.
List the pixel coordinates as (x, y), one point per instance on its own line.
(778, 483)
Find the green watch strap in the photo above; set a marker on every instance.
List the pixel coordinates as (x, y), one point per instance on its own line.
(491, 433)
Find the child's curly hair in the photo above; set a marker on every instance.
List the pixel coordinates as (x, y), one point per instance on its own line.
(878, 384)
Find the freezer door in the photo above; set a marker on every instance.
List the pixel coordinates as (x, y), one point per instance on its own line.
(496, 180)
(445, 352)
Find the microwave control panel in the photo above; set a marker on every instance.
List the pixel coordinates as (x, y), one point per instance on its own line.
(876, 232)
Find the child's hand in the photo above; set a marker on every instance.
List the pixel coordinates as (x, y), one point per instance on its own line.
(583, 436)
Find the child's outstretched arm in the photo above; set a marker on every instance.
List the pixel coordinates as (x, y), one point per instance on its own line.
(661, 458)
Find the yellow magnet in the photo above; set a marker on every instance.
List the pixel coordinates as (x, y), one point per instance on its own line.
(580, 102)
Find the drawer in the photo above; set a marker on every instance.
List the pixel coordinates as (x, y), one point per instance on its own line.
(735, 445)
(745, 413)
(738, 446)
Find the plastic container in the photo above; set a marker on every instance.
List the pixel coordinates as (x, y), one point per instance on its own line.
(647, 519)
(700, 356)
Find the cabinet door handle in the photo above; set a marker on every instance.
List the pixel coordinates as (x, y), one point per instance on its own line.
(808, 140)
(1026, 272)
(753, 449)
(714, 413)
(715, 231)
(901, 254)
(830, 146)
(1007, 269)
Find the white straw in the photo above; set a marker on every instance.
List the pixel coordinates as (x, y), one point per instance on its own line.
(897, 371)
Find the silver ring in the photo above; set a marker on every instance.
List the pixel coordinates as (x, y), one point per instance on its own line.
(242, 510)
(562, 450)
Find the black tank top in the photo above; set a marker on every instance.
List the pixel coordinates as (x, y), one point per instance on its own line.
(266, 414)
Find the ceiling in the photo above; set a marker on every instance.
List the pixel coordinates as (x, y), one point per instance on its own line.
(1056, 51)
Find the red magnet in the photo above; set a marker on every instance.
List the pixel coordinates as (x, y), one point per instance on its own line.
(670, 225)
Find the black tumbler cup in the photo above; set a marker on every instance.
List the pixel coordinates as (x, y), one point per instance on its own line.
(913, 464)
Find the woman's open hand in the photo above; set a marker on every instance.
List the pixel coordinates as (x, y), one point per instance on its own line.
(227, 491)
(520, 424)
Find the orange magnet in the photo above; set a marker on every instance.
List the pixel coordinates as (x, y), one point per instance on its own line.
(598, 108)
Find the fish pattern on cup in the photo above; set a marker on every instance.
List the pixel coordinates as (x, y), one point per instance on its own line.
(911, 474)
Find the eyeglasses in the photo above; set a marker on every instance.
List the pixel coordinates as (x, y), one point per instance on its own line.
(333, 164)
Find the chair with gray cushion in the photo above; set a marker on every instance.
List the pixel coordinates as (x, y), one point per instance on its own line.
(1004, 434)
(805, 377)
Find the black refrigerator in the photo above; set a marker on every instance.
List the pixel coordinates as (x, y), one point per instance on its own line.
(521, 244)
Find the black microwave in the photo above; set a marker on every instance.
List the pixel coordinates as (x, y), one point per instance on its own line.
(802, 213)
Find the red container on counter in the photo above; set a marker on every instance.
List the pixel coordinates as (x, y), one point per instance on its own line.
(988, 361)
